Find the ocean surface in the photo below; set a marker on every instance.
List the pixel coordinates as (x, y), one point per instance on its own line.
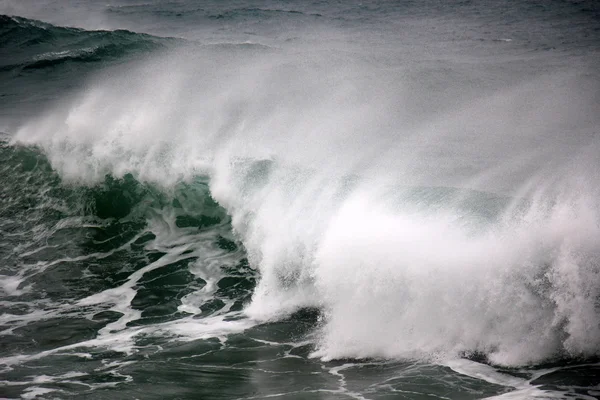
(299, 199)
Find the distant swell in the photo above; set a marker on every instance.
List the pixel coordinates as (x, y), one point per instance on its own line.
(53, 46)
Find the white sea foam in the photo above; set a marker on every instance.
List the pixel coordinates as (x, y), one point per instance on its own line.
(34, 391)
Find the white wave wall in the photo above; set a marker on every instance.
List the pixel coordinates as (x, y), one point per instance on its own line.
(313, 154)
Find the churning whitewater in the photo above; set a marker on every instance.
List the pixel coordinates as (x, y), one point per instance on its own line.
(380, 200)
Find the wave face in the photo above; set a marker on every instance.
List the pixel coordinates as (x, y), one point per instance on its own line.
(391, 204)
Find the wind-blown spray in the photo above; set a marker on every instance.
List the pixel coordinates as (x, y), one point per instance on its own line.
(419, 229)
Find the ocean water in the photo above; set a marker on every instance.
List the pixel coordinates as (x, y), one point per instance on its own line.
(299, 200)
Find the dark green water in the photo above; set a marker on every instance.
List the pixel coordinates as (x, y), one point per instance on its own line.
(63, 244)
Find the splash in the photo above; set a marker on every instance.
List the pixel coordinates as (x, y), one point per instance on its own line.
(422, 228)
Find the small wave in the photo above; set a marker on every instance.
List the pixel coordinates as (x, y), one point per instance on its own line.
(258, 12)
(31, 44)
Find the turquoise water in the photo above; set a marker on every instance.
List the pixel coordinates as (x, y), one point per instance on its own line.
(246, 200)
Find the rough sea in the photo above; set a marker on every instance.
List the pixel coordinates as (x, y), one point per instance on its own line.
(299, 199)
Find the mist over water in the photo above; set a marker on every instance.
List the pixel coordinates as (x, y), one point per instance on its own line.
(425, 179)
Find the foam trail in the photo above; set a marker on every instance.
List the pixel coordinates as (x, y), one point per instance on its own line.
(349, 190)
(523, 389)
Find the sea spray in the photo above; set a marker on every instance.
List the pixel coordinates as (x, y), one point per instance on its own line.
(348, 198)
